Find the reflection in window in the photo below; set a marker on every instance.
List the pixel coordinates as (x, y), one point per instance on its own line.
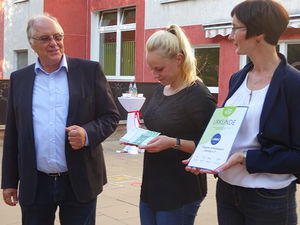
(294, 55)
(127, 53)
(108, 52)
(208, 65)
(109, 19)
(128, 16)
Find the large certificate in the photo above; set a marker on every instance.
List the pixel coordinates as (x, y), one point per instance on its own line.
(217, 140)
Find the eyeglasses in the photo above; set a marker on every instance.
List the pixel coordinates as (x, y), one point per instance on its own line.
(235, 29)
(47, 39)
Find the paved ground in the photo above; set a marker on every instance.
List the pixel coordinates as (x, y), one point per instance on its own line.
(118, 203)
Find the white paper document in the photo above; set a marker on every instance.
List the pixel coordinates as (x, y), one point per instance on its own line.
(217, 140)
(139, 136)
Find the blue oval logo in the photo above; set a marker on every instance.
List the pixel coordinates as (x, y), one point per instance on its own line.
(215, 139)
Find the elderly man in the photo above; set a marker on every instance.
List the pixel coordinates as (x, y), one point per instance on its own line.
(60, 109)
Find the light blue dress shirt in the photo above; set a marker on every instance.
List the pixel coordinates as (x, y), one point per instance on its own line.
(50, 103)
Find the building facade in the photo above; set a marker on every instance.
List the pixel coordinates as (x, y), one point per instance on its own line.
(114, 33)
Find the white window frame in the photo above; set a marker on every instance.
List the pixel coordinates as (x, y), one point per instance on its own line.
(18, 1)
(96, 30)
(212, 89)
(169, 1)
(283, 47)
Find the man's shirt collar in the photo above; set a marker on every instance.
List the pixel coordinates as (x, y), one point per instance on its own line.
(63, 64)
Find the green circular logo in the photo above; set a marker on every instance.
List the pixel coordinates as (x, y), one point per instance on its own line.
(228, 111)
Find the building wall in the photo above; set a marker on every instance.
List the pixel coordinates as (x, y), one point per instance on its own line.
(15, 17)
(159, 15)
(192, 12)
(191, 16)
(73, 15)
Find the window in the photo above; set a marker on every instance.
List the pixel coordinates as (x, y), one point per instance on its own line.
(127, 52)
(109, 19)
(117, 43)
(128, 16)
(208, 66)
(21, 59)
(291, 49)
(108, 52)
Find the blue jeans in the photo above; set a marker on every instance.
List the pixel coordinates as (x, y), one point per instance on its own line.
(181, 216)
(255, 206)
(53, 192)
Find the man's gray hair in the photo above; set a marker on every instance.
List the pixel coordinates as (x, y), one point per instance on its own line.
(30, 25)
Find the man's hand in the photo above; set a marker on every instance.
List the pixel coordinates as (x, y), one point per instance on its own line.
(10, 196)
(76, 136)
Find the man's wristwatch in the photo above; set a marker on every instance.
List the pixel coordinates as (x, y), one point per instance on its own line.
(177, 145)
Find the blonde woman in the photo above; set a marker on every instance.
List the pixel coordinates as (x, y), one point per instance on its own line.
(180, 110)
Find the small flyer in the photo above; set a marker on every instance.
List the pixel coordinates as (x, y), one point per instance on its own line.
(216, 142)
(139, 136)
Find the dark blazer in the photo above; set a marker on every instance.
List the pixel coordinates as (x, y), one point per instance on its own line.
(91, 106)
(279, 130)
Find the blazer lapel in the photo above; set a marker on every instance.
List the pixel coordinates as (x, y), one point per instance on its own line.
(272, 92)
(27, 93)
(74, 87)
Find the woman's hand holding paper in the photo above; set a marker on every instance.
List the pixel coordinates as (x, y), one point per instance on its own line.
(195, 170)
(234, 159)
(159, 143)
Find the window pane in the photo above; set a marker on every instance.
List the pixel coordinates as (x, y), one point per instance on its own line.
(109, 19)
(22, 59)
(127, 53)
(129, 16)
(208, 65)
(294, 55)
(108, 53)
